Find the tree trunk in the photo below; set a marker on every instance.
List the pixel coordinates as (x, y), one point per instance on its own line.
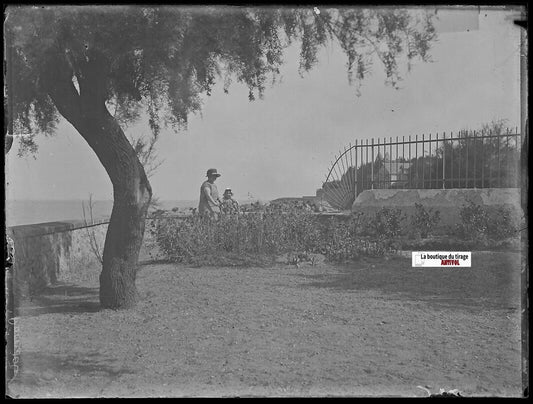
(132, 192)
(131, 197)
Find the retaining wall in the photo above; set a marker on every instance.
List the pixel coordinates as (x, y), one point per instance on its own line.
(448, 202)
(46, 253)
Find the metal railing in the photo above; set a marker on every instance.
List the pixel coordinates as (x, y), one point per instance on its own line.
(468, 159)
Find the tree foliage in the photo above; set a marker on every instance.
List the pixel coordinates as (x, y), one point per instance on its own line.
(163, 59)
(483, 158)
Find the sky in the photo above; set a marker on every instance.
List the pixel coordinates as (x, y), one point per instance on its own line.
(283, 145)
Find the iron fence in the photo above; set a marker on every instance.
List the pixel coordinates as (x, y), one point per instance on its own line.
(468, 159)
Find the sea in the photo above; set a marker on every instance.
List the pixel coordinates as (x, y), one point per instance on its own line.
(21, 212)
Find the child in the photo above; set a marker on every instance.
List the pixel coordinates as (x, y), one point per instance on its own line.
(229, 205)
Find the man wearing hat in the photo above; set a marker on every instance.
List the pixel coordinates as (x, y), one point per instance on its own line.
(209, 195)
(229, 205)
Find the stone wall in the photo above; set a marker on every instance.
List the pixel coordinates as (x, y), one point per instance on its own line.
(46, 253)
(448, 202)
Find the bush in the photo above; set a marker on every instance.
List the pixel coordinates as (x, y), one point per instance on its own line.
(386, 224)
(269, 231)
(236, 239)
(339, 241)
(474, 221)
(478, 225)
(346, 240)
(501, 224)
(186, 239)
(424, 220)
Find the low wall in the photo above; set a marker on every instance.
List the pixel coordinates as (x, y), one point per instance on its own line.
(46, 253)
(448, 202)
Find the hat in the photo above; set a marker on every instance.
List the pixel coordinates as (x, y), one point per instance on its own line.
(212, 171)
(228, 191)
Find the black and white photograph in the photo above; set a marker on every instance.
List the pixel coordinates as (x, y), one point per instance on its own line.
(266, 201)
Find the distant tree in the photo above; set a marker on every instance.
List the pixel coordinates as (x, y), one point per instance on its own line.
(81, 62)
(471, 161)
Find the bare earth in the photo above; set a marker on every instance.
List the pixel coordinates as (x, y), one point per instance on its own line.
(373, 328)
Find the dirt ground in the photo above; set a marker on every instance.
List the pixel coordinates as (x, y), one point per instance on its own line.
(373, 328)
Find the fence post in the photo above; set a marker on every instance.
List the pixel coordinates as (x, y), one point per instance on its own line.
(355, 168)
(429, 168)
(396, 159)
(466, 158)
(451, 160)
(483, 159)
(403, 157)
(416, 162)
(499, 172)
(508, 154)
(475, 173)
(372, 166)
(423, 165)
(366, 161)
(444, 160)
(410, 164)
(390, 161)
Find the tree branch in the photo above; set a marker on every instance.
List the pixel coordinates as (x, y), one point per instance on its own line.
(57, 82)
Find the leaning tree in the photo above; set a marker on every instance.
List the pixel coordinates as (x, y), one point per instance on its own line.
(101, 67)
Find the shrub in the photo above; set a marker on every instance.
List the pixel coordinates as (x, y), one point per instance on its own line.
(345, 240)
(501, 224)
(339, 241)
(424, 220)
(269, 231)
(474, 219)
(386, 224)
(187, 239)
(243, 239)
(478, 225)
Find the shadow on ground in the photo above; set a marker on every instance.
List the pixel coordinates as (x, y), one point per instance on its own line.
(493, 281)
(37, 368)
(61, 298)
